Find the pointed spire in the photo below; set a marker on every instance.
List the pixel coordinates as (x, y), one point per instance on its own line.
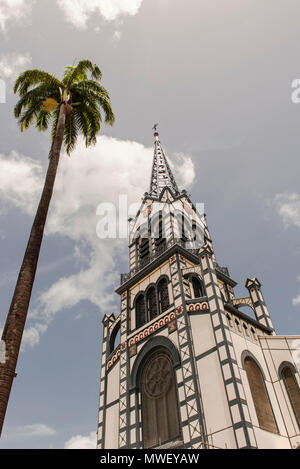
(161, 176)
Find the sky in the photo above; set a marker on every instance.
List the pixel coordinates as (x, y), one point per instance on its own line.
(217, 76)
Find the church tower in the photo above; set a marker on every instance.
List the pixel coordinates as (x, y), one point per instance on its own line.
(192, 370)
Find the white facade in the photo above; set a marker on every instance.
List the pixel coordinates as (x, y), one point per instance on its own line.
(226, 363)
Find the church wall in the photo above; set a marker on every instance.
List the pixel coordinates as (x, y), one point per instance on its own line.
(277, 350)
(268, 440)
(112, 427)
(217, 416)
(266, 359)
(295, 442)
(294, 346)
(202, 333)
(223, 439)
(113, 378)
(286, 409)
(241, 346)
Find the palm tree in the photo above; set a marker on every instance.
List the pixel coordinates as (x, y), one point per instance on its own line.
(70, 107)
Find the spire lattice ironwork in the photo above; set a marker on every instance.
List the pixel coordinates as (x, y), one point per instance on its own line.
(161, 175)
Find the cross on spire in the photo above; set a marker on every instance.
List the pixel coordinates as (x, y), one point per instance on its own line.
(161, 176)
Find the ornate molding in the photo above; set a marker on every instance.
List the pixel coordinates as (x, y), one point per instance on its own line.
(155, 326)
(146, 332)
(243, 301)
(116, 356)
(203, 306)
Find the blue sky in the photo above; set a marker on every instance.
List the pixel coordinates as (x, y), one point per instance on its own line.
(217, 77)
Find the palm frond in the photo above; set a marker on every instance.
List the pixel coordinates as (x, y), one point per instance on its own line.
(84, 93)
(70, 133)
(36, 88)
(78, 73)
(91, 85)
(29, 78)
(92, 117)
(29, 114)
(42, 120)
(39, 93)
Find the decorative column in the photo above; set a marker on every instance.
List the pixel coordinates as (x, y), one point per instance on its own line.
(260, 308)
(124, 405)
(102, 398)
(237, 404)
(190, 403)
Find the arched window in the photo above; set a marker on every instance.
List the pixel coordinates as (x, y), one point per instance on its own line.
(151, 303)
(159, 235)
(163, 295)
(293, 391)
(260, 396)
(143, 251)
(114, 339)
(140, 310)
(160, 419)
(197, 287)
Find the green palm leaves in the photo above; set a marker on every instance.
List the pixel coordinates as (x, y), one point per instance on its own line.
(42, 94)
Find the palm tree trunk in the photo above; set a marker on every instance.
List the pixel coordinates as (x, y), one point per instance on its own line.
(16, 318)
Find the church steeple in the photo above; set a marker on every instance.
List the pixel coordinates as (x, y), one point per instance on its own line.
(161, 175)
(191, 370)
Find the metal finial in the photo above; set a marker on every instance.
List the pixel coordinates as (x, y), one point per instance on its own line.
(155, 128)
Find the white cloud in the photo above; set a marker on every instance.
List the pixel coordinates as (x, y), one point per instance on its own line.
(82, 442)
(288, 207)
(31, 335)
(13, 63)
(36, 430)
(78, 12)
(89, 177)
(184, 169)
(20, 182)
(12, 11)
